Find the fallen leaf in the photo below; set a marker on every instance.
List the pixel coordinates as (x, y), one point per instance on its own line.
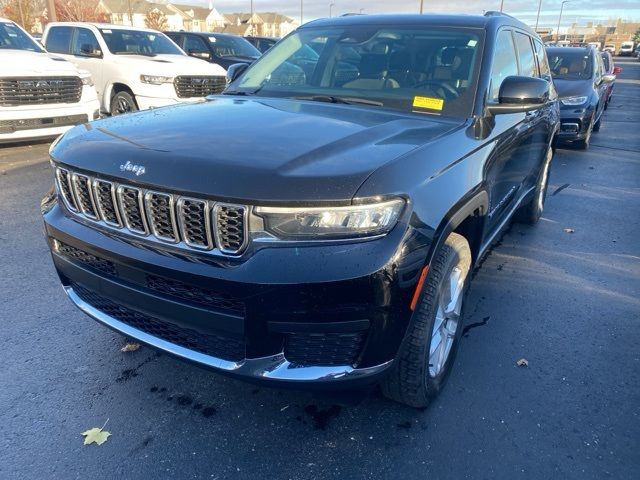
(523, 362)
(130, 347)
(568, 230)
(96, 435)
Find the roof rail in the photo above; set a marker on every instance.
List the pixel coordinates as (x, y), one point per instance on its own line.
(495, 13)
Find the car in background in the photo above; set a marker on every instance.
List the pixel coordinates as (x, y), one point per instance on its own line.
(262, 43)
(41, 95)
(626, 49)
(581, 83)
(133, 68)
(219, 48)
(610, 47)
(609, 68)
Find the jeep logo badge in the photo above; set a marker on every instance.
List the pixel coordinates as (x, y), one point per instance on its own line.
(130, 167)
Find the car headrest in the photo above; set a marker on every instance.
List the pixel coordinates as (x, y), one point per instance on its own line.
(577, 66)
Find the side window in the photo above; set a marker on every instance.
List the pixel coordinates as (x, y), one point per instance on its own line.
(58, 39)
(504, 62)
(525, 55)
(84, 42)
(177, 39)
(195, 43)
(543, 62)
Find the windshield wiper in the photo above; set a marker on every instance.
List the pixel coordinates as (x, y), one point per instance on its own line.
(144, 54)
(343, 100)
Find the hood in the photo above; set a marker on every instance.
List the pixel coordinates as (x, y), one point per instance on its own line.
(25, 63)
(169, 65)
(573, 88)
(250, 149)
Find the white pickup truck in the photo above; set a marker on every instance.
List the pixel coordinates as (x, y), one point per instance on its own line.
(41, 95)
(133, 68)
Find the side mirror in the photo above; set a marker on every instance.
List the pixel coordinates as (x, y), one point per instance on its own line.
(608, 78)
(617, 70)
(235, 70)
(87, 50)
(200, 54)
(521, 94)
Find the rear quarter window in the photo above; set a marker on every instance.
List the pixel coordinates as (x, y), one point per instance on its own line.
(59, 39)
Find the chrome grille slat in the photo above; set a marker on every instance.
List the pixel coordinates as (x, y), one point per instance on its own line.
(83, 195)
(39, 90)
(194, 219)
(104, 193)
(161, 216)
(230, 227)
(186, 222)
(190, 86)
(131, 206)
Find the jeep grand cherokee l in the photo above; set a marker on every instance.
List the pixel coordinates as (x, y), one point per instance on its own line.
(313, 226)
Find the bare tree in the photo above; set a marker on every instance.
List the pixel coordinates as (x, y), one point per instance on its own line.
(79, 11)
(156, 19)
(23, 12)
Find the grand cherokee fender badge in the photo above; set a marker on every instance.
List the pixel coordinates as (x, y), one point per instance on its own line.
(130, 167)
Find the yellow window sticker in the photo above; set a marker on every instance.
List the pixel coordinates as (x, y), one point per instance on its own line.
(428, 102)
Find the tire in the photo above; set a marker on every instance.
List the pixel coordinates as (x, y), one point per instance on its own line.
(123, 102)
(416, 377)
(531, 211)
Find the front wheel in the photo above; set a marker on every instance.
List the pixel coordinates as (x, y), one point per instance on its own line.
(123, 102)
(429, 346)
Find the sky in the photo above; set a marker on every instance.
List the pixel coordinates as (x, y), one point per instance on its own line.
(579, 11)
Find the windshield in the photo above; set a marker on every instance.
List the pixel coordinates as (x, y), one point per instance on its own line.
(424, 70)
(138, 42)
(233, 47)
(13, 38)
(570, 64)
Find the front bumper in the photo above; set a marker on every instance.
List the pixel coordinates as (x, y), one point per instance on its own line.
(330, 315)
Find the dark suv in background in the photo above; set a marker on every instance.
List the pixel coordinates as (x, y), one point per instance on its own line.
(313, 226)
(219, 48)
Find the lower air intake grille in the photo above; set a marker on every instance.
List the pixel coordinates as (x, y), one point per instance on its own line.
(210, 344)
(87, 259)
(323, 349)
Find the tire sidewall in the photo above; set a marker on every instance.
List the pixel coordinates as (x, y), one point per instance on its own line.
(128, 98)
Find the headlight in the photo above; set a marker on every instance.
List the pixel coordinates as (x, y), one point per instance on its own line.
(155, 79)
(324, 223)
(573, 101)
(87, 80)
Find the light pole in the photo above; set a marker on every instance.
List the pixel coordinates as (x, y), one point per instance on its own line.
(560, 18)
(421, 6)
(251, 19)
(301, 10)
(331, 5)
(538, 16)
(501, 5)
(361, 10)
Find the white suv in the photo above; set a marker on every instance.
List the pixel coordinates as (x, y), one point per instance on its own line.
(134, 68)
(41, 95)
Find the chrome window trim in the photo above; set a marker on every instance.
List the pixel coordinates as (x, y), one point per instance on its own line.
(120, 194)
(207, 222)
(114, 199)
(172, 214)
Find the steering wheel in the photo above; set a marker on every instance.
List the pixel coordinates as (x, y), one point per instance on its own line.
(453, 93)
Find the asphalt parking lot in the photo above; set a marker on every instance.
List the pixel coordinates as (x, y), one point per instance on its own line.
(564, 294)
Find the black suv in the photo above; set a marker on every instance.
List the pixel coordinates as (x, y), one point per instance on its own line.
(222, 49)
(313, 226)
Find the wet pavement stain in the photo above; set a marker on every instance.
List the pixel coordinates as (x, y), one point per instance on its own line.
(208, 412)
(321, 418)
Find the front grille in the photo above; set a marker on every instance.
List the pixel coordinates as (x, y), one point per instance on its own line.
(87, 259)
(187, 222)
(201, 296)
(39, 90)
(323, 349)
(231, 223)
(198, 86)
(208, 343)
(84, 199)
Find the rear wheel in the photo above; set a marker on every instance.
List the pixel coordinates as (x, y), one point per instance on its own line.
(428, 349)
(123, 102)
(532, 211)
